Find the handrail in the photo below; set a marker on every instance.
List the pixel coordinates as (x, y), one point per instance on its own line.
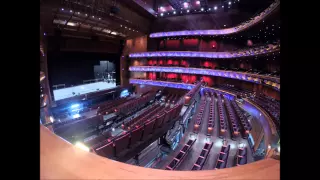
(61, 160)
(199, 54)
(211, 72)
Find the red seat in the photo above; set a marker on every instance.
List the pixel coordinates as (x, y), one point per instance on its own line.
(122, 143)
(135, 135)
(148, 128)
(106, 150)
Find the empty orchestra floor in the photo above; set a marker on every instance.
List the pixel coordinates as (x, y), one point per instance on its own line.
(202, 138)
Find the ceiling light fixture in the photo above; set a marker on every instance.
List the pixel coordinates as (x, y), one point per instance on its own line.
(215, 8)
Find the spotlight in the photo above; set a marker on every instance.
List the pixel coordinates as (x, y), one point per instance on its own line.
(99, 18)
(229, 3)
(197, 2)
(70, 10)
(86, 14)
(62, 9)
(44, 34)
(174, 12)
(188, 10)
(279, 149)
(82, 146)
(209, 9)
(222, 6)
(201, 9)
(92, 16)
(185, 5)
(215, 8)
(113, 129)
(224, 25)
(161, 14)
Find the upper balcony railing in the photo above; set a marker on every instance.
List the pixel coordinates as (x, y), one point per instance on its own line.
(254, 78)
(235, 54)
(241, 27)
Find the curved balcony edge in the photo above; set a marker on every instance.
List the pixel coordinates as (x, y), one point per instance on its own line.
(197, 54)
(61, 160)
(254, 78)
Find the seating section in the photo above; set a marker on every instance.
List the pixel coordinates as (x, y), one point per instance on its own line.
(109, 107)
(181, 155)
(222, 122)
(199, 115)
(212, 115)
(189, 96)
(78, 126)
(223, 157)
(236, 91)
(57, 124)
(136, 133)
(134, 105)
(233, 119)
(245, 125)
(202, 157)
(271, 105)
(241, 156)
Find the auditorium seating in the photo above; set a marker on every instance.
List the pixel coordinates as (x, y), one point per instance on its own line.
(212, 115)
(246, 126)
(189, 96)
(233, 119)
(105, 149)
(109, 106)
(222, 120)
(239, 92)
(131, 106)
(241, 156)
(202, 157)
(122, 142)
(79, 125)
(271, 105)
(199, 115)
(181, 155)
(223, 157)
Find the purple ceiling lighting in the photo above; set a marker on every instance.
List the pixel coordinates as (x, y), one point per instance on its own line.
(195, 54)
(226, 31)
(254, 78)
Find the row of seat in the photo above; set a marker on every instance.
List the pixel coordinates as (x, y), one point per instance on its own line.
(147, 116)
(212, 115)
(199, 115)
(241, 156)
(192, 92)
(79, 126)
(112, 147)
(223, 157)
(233, 119)
(109, 106)
(140, 116)
(181, 155)
(57, 124)
(275, 114)
(222, 122)
(131, 106)
(202, 157)
(236, 91)
(246, 126)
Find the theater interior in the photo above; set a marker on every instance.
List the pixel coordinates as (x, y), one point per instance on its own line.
(160, 89)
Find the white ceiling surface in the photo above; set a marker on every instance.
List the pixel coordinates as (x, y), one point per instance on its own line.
(81, 89)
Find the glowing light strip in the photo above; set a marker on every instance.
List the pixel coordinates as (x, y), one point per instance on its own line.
(232, 30)
(176, 85)
(196, 54)
(209, 72)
